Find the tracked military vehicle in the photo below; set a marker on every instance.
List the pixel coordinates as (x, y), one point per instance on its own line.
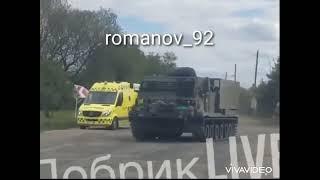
(181, 102)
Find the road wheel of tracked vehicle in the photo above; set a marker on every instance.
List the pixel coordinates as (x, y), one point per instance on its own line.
(230, 129)
(221, 131)
(208, 131)
(226, 130)
(216, 131)
(209, 135)
(233, 129)
(115, 124)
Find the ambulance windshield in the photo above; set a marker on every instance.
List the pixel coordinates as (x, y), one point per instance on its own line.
(101, 98)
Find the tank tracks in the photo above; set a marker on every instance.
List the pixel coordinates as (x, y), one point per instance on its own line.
(217, 128)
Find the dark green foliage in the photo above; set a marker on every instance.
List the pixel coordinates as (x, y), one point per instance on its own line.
(268, 93)
(55, 88)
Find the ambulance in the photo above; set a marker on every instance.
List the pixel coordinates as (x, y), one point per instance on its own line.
(108, 105)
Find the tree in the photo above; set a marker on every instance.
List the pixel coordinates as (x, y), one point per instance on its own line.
(70, 36)
(122, 63)
(268, 92)
(55, 88)
(274, 82)
(169, 59)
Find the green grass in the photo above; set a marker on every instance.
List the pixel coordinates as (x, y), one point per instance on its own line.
(60, 120)
(268, 121)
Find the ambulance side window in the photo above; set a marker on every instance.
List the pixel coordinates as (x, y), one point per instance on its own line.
(120, 99)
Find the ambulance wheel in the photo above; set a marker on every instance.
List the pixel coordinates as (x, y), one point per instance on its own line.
(115, 124)
(83, 127)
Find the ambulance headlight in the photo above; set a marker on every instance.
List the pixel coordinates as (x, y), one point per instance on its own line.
(79, 113)
(106, 113)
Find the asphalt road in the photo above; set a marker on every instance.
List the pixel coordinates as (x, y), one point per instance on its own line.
(75, 147)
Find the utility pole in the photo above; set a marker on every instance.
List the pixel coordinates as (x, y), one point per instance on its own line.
(255, 73)
(226, 76)
(235, 72)
(254, 100)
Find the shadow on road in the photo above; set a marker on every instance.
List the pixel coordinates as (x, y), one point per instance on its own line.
(106, 129)
(181, 139)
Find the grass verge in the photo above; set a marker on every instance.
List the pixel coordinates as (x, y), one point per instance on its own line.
(268, 121)
(60, 120)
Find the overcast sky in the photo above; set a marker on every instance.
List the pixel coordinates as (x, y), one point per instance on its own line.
(241, 27)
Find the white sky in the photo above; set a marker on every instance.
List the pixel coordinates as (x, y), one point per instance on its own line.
(241, 27)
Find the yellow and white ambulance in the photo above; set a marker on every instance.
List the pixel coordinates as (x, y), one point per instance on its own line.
(108, 105)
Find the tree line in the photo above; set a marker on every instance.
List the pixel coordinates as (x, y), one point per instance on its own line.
(73, 51)
(267, 93)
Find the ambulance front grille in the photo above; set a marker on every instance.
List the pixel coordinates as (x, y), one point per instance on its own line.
(91, 113)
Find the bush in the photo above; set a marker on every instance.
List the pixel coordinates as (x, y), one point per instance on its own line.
(55, 89)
